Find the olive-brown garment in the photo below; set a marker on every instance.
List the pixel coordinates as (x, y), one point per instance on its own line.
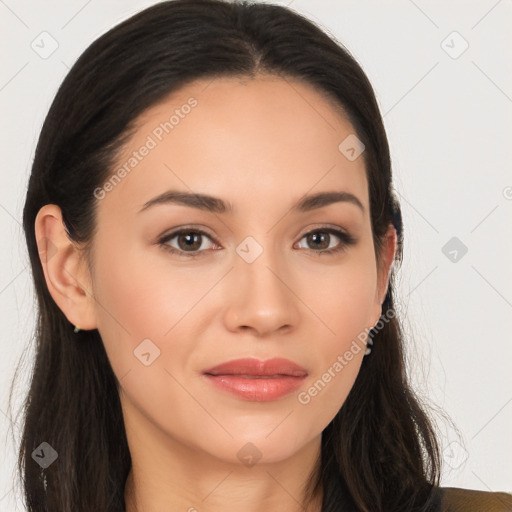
(468, 500)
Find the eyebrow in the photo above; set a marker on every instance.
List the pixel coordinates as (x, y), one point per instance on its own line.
(217, 205)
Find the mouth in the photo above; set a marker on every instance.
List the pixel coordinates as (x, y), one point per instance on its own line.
(257, 381)
(249, 376)
(254, 368)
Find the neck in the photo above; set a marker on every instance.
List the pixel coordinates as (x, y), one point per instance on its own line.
(218, 488)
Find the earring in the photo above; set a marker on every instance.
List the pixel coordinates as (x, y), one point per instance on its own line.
(76, 328)
(369, 342)
(369, 345)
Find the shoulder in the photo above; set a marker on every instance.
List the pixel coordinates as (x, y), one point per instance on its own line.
(454, 499)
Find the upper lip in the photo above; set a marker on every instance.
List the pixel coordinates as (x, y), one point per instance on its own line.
(251, 366)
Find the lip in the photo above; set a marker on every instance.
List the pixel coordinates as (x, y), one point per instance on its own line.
(255, 367)
(255, 380)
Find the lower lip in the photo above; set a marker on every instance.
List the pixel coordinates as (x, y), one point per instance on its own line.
(257, 389)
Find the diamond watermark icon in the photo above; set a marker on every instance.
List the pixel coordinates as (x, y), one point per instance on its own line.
(351, 147)
(249, 249)
(49, 251)
(44, 45)
(454, 45)
(249, 454)
(454, 249)
(146, 352)
(455, 455)
(44, 455)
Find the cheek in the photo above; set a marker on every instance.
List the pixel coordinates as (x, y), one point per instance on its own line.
(343, 302)
(343, 298)
(134, 302)
(140, 297)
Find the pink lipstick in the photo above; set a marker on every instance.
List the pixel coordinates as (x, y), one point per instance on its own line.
(255, 380)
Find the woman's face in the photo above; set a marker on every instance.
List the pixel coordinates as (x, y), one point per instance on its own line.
(258, 283)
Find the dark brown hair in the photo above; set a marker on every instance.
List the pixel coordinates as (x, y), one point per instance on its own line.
(380, 452)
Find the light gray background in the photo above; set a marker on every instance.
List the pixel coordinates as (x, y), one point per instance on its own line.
(448, 119)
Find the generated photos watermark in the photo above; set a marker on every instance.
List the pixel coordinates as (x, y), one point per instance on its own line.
(152, 140)
(358, 343)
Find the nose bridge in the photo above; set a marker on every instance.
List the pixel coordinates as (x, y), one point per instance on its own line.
(262, 298)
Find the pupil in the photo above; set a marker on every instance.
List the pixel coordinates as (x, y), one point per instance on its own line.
(318, 237)
(190, 238)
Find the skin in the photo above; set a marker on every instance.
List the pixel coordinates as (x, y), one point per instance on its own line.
(262, 145)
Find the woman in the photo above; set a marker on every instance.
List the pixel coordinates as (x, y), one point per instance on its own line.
(212, 231)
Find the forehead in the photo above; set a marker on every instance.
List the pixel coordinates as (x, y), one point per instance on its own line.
(242, 139)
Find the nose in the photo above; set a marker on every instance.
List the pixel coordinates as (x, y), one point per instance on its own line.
(261, 297)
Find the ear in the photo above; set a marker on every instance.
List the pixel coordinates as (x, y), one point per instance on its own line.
(385, 267)
(66, 274)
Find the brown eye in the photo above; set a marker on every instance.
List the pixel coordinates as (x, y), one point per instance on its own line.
(319, 241)
(187, 241)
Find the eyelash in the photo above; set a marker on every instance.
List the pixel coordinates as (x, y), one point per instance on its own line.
(346, 241)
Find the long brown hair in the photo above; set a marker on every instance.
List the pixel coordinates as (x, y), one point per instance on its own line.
(380, 452)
